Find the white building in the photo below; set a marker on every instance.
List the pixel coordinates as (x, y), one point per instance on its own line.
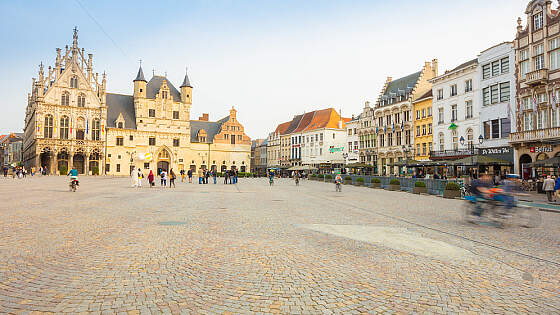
(352, 150)
(456, 108)
(496, 68)
(323, 140)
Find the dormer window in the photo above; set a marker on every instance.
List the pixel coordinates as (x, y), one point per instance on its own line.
(120, 125)
(74, 82)
(538, 21)
(164, 94)
(81, 100)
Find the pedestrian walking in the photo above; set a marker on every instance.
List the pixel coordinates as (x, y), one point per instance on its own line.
(140, 176)
(214, 175)
(5, 171)
(163, 175)
(236, 175)
(226, 176)
(548, 187)
(172, 178)
(182, 172)
(557, 189)
(189, 174)
(151, 179)
(206, 176)
(200, 175)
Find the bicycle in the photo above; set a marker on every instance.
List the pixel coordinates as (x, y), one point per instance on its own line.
(494, 210)
(338, 187)
(271, 181)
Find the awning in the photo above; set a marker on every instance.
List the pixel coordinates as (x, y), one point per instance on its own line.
(359, 165)
(476, 160)
(552, 162)
(302, 168)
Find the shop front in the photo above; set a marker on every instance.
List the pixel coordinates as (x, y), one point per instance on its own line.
(531, 153)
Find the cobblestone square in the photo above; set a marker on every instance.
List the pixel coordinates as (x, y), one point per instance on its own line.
(251, 248)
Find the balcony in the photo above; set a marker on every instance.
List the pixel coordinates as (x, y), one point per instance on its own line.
(452, 154)
(535, 135)
(537, 77)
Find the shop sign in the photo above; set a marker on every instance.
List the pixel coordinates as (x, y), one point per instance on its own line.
(333, 149)
(495, 151)
(546, 148)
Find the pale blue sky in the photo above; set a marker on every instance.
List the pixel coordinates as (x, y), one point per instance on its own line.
(269, 59)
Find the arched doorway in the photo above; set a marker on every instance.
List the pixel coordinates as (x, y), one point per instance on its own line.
(79, 163)
(94, 163)
(525, 171)
(164, 160)
(62, 158)
(45, 160)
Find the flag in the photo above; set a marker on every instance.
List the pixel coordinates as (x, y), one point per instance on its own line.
(87, 126)
(376, 129)
(534, 103)
(393, 127)
(385, 128)
(71, 119)
(402, 126)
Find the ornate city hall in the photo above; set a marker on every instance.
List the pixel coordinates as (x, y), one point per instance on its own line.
(72, 121)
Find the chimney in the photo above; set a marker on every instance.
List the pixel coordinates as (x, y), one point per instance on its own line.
(435, 67)
(204, 117)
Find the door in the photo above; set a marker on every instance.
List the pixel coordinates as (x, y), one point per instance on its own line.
(162, 165)
(79, 163)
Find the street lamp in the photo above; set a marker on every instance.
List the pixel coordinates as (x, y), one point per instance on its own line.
(480, 139)
(462, 140)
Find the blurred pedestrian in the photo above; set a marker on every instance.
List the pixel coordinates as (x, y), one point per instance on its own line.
(557, 189)
(151, 179)
(214, 175)
(172, 177)
(189, 174)
(548, 187)
(163, 176)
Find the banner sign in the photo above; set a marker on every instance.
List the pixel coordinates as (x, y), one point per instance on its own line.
(333, 150)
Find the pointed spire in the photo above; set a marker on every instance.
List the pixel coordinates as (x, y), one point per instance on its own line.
(186, 81)
(140, 75)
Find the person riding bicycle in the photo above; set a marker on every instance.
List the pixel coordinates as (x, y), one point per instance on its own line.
(511, 186)
(480, 189)
(73, 173)
(271, 176)
(338, 179)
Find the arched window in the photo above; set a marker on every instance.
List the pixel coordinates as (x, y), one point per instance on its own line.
(95, 129)
(80, 128)
(48, 129)
(455, 140)
(74, 82)
(81, 100)
(65, 100)
(64, 127)
(470, 138)
(163, 155)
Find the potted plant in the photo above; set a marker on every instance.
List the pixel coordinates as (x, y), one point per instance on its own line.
(313, 176)
(420, 188)
(394, 185)
(347, 180)
(320, 177)
(95, 170)
(359, 181)
(63, 170)
(375, 183)
(328, 178)
(452, 191)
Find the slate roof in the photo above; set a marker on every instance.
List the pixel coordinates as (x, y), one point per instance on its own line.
(400, 85)
(466, 64)
(294, 123)
(118, 103)
(140, 75)
(186, 81)
(304, 122)
(152, 88)
(211, 128)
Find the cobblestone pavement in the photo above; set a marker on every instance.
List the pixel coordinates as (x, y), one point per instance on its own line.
(252, 248)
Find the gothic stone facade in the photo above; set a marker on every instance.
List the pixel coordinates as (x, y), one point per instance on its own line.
(72, 121)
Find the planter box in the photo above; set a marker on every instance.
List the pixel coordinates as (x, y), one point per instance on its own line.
(359, 183)
(394, 187)
(420, 190)
(375, 185)
(451, 194)
(347, 182)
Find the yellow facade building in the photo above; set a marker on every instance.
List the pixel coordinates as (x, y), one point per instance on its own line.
(423, 121)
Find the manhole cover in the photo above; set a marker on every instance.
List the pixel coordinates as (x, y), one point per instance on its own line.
(172, 223)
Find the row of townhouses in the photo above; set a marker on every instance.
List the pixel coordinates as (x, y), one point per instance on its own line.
(501, 105)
